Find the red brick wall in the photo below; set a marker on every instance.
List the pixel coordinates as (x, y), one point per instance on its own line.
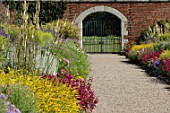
(139, 15)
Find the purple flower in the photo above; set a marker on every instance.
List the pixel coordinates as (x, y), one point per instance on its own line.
(17, 110)
(12, 107)
(154, 39)
(2, 96)
(156, 63)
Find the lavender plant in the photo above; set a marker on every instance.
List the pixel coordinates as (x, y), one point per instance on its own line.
(22, 98)
(6, 106)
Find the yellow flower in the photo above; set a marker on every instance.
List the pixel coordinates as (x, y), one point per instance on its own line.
(52, 98)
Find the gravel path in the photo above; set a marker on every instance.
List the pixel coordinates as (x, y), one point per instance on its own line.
(125, 88)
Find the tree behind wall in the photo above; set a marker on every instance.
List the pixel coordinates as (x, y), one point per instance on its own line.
(50, 10)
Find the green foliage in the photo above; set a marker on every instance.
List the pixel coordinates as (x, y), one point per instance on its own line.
(2, 107)
(3, 48)
(65, 29)
(157, 32)
(132, 56)
(23, 98)
(165, 55)
(163, 37)
(3, 43)
(163, 23)
(44, 38)
(79, 64)
(49, 10)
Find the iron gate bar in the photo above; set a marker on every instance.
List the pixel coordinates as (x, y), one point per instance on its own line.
(111, 44)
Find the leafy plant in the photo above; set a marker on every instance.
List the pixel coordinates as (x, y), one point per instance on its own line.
(22, 97)
(163, 37)
(2, 101)
(79, 64)
(6, 106)
(165, 55)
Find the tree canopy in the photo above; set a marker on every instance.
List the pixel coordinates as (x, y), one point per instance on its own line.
(49, 10)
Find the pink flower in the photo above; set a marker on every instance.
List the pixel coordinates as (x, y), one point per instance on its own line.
(67, 61)
(143, 50)
(8, 91)
(63, 71)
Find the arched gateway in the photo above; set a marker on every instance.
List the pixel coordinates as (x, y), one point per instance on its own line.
(83, 15)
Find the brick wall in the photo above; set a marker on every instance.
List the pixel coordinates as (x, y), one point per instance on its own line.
(139, 15)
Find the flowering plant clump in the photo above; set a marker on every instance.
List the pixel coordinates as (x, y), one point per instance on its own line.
(128, 47)
(87, 98)
(78, 62)
(166, 66)
(6, 106)
(151, 57)
(52, 97)
(21, 97)
(135, 53)
(142, 46)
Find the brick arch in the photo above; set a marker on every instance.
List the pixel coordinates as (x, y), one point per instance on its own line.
(83, 15)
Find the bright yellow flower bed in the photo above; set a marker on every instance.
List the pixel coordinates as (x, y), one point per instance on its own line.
(54, 98)
(142, 46)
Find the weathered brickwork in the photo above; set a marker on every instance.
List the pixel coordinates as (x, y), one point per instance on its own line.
(140, 15)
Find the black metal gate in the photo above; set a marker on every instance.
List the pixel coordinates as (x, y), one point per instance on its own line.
(101, 33)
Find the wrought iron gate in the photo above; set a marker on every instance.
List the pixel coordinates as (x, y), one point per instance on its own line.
(100, 36)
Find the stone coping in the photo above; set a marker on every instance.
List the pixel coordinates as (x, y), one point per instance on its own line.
(102, 0)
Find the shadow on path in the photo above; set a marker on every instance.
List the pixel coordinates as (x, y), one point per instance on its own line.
(155, 79)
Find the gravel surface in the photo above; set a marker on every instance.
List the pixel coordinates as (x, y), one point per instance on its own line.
(126, 88)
